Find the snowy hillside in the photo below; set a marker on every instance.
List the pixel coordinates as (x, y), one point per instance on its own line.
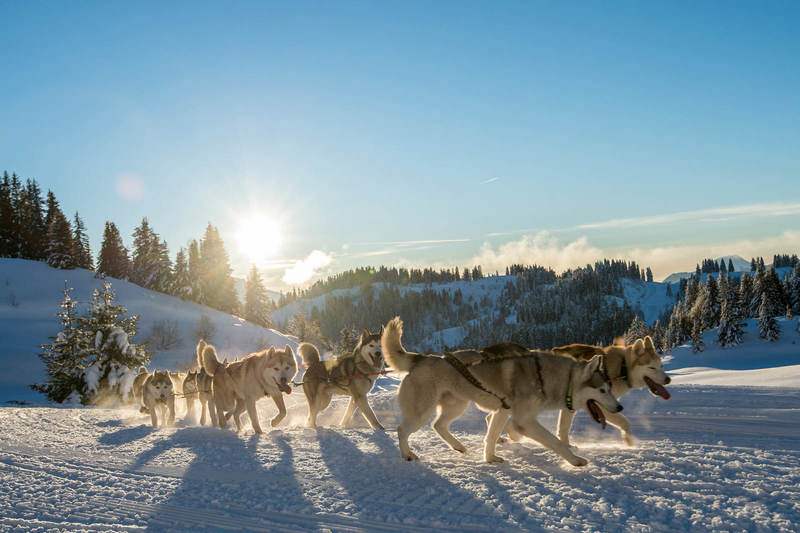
(30, 293)
(753, 363)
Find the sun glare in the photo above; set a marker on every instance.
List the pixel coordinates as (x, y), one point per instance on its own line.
(259, 237)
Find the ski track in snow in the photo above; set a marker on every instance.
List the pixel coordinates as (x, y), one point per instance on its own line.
(712, 458)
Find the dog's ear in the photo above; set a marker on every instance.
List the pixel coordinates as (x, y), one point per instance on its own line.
(648, 344)
(381, 331)
(288, 350)
(364, 336)
(591, 367)
(271, 351)
(638, 348)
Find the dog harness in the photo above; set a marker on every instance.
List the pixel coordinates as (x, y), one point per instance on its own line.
(623, 370)
(568, 398)
(462, 369)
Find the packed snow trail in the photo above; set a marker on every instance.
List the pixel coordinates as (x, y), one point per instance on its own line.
(713, 458)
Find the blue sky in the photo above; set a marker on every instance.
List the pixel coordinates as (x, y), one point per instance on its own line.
(416, 133)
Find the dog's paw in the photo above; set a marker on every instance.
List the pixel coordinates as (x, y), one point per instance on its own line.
(494, 459)
(501, 440)
(460, 448)
(379, 428)
(628, 439)
(411, 457)
(275, 421)
(578, 461)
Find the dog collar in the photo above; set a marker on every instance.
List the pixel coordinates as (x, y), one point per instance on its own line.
(568, 398)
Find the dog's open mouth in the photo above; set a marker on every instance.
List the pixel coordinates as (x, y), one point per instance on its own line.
(284, 387)
(597, 414)
(657, 389)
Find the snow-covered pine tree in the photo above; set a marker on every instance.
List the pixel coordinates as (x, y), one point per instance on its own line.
(80, 244)
(697, 334)
(794, 289)
(637, 330)
(768, 328)
(59, 247)
(112, 359)
(723, 331)
(659, 337)
(730, 266)
(746, 294)
(711, 304)
(735, 319)
(257, 304)
(113, 259)
(773, 288)
(348, 339)
(65, 357)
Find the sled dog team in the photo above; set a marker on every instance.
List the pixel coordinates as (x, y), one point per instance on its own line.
(511, 383)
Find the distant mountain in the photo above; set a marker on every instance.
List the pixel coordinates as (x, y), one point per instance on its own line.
(740, 264)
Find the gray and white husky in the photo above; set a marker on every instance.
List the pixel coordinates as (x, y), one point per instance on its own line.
(508, 384)
(627, 367)
(158, 398)
(352, 374)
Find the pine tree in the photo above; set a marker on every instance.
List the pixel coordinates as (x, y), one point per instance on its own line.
(112, 358)
(217, 287)
(730, 266)
(794, 289)
(348, 340)
(768, 328)
(194, 271)
(735, 316)
(722, 268)
(256, 301)
(649, 275)
(59, 247)
(181, 283)
(32, 225)
(143, 255)
(7, 219)
(17, 197)
(637, 330)
(80, 245)
(113, 259)
(711, 308)
(746, 294)
(65, 357)
(659, 337)
(697, 334)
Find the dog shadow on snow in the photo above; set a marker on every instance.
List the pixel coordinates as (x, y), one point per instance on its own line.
(381, 485)
(227, 479)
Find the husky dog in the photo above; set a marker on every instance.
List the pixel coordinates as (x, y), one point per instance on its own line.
(204, 389)
(502, 381)
(189, 390)
(352, 374)
(138, 382)
(627, 367)
(237, 386)
(158, 396)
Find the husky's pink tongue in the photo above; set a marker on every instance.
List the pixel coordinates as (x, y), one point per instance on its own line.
(596, 413)
(657, 388)
(285, 388)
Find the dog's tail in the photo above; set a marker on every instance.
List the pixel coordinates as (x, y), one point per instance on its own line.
(209, 360)
(143, 370)
(200, 345)
(309, 353)
(393, 349)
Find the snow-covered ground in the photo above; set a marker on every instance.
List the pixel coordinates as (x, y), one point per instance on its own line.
(721, 455)
(712, 458)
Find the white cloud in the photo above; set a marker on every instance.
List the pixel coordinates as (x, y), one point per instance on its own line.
(490, 180)
(129, 187)
(541, 249)
(303, 270)
(770, 209)
(546, 250)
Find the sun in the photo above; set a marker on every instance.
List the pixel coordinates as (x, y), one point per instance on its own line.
(259, 237)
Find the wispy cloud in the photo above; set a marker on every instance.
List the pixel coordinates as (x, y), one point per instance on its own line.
(304, 270)
(765, 209)
(541, 248)
(410, 243)
(490, 180)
